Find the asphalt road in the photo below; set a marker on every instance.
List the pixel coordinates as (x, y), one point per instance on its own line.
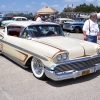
(17, 83)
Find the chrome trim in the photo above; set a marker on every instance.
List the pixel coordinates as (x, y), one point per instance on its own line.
(34, 54)
(73, 61)
(58, 77)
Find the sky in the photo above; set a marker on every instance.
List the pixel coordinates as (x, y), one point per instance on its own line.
(35, 5)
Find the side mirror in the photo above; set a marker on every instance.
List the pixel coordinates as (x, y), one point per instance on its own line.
(67, 34)
(28, 37)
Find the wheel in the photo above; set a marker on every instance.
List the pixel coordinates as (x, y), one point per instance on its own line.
(77, 30)
(0, 52)
(37, 68)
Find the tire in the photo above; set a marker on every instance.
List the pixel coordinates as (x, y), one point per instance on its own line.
(38, 68)
(0, 52)
(77, 30)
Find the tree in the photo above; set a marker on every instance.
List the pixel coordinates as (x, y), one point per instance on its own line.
(67, 9)
(83, 8)
(87, 8)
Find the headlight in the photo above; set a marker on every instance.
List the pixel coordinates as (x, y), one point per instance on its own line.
(59, 57)
(98, 51)
(64, 56)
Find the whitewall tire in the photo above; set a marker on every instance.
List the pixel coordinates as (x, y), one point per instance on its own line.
(37, 68)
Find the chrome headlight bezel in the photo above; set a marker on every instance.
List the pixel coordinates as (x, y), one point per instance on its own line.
(59, 57)
(62, 57)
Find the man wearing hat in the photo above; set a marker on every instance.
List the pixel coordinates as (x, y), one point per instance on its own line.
(91, 29)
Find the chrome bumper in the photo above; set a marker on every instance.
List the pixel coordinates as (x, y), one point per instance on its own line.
(58, 77)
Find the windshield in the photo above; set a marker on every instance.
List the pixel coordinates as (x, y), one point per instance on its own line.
(13, 19)
(45, 30)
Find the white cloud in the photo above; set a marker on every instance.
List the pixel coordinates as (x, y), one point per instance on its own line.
(28, 6)
(3, 6)
(98, 2)
(55, 6)
(33, 2)
(43, 4)
(71, 0)
(90, 0)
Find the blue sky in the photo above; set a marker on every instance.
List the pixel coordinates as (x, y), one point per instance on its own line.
(34, 5)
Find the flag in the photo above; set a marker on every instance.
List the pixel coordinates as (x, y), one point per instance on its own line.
(72, 7)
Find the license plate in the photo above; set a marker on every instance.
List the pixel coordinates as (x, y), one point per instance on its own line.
(85, 72)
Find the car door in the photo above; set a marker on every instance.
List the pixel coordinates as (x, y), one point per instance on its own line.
(1, 37)
(10, 45)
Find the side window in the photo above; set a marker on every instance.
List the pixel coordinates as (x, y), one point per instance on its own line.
(27, 33)
(24, 34)
(23, 19)
(14, 31)
(18, 19)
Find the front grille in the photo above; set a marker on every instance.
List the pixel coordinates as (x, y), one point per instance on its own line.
(66, 25)
(77, 65)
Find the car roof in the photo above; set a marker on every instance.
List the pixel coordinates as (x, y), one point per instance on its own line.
(27, 23)
(63, 19)
(19, 17)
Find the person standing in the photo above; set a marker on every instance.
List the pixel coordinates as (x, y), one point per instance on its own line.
(91, 29)
(50, 19)
(38, 18)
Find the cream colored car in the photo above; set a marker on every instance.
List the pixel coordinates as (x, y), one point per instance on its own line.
(43, 47)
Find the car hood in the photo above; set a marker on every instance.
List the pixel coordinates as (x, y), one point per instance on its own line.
(7, 21)
(76, 48)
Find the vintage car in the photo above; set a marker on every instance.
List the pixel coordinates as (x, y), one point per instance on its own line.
(43, 47)
(75, 26)
(61, 21)
(4, 18)
(6, 22)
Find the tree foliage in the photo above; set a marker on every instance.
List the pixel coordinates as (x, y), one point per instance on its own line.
(67, 9)
(84, 8)
(87, 8)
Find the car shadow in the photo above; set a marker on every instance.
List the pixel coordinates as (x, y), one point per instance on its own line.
(26, 69)
(63, 82)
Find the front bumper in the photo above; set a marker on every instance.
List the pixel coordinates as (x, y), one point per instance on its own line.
(70, 28)
(58, 77)
(3, 25)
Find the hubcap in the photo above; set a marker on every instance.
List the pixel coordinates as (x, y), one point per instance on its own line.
(38, 67)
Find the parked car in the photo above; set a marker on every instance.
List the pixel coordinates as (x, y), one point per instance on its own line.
(75, 26)
(4, 23)
(5, 18)
(43, 47)
(61, 21)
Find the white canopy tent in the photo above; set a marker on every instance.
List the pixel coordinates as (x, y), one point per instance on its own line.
(98, 15)
(47, 10)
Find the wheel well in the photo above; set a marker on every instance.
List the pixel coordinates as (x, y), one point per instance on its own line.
(78, 27)
(28, 63)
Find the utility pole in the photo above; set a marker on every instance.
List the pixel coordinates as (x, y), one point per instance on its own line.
(72, 11)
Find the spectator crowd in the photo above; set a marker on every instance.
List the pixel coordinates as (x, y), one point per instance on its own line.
(46, 18)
